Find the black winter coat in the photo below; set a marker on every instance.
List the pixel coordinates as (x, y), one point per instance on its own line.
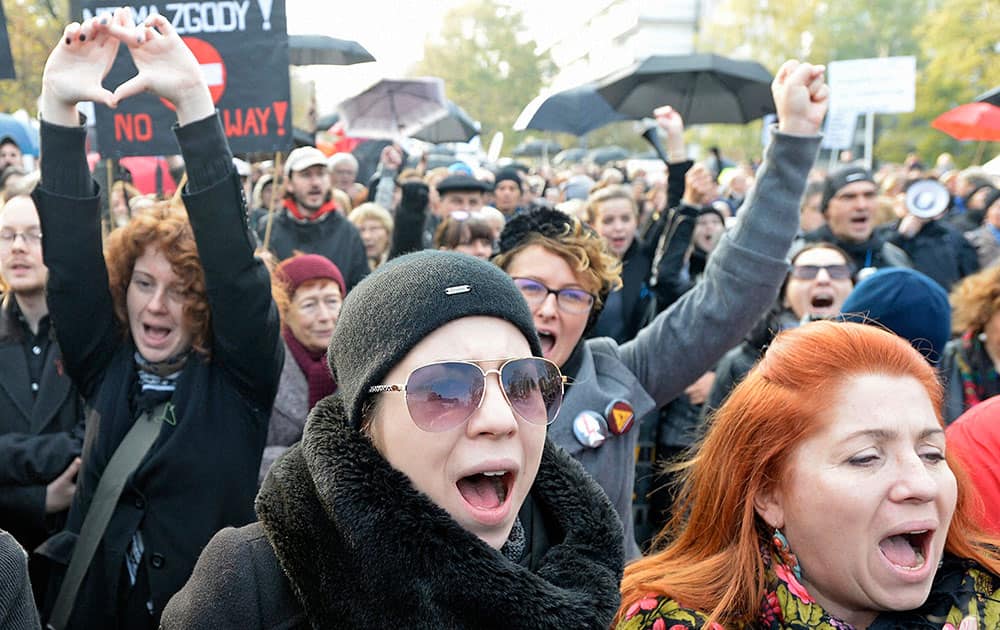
(346, 541)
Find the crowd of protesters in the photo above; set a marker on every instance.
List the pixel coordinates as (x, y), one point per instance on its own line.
(268, 399)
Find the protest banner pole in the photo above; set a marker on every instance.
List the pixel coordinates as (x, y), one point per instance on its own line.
(275, 190)
(869, 138)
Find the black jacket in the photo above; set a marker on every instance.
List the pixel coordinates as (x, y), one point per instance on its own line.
(938, 251)
(331, 235)
(201, 473)
(39, 435)
(876, 252)
(346, 541)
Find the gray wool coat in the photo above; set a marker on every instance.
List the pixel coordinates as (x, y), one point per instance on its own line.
(288, 416)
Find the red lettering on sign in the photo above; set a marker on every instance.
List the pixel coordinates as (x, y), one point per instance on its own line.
(251, 121)
(232, 121)
(133, 127)
(280, 109)
(262, 116)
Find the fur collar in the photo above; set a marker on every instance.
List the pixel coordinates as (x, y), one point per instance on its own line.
(363, 548)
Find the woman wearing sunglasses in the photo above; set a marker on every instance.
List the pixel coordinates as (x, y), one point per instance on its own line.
(566, 275)
(424, 493)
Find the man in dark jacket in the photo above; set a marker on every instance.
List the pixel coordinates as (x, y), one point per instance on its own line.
(310, 221)
(41, 429)
(848, 204)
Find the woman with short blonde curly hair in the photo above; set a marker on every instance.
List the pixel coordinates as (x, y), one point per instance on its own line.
(969, 365)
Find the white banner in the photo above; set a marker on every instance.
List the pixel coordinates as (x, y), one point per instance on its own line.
(885, 85)
(838, 129)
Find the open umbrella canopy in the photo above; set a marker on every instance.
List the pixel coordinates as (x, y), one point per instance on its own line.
(536, 148)
(603, 155)
(991, 96)
(320, 50)
(394, 108)
(570, 156)
(23, 134)
(703, 88)
(456, 126)
(577, 111)
(972, 121)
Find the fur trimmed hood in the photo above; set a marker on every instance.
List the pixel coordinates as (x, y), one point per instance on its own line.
(363, 548)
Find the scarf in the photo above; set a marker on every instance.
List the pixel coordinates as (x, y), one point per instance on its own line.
(976, 370)
(362, 548)
(326, 208)
(313, 365)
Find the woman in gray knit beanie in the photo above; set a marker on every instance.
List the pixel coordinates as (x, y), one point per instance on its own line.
(424, 492)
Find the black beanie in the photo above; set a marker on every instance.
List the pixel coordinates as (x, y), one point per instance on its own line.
(406, 299)
(508, 174)
(838, 179)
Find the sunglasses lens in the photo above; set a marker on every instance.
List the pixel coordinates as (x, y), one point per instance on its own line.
(839, 272)
(534, 388)
(441, 396)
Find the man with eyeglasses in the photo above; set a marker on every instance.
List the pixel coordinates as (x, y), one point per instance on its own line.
(41, 428)
(848, 204)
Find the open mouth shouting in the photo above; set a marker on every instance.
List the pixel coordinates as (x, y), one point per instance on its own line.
(822, 303)
(907, 553)
(487, 493)
(548, 341)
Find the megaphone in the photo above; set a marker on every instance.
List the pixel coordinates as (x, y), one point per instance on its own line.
(652, 136)
(927, 198)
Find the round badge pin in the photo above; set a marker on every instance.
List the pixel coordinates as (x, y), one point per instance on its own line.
(620, 417)
(590, 429)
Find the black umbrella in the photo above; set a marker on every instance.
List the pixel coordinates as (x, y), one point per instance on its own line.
(456, 126)
(603, 155)
(577, 111)
(311, 50)
(536, 148)
(702, 88)
(569, 156)
(992, 97)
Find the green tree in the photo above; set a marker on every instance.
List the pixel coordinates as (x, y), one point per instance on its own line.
(33, 28)
(490, 68)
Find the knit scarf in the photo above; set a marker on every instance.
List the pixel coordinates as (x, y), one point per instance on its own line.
(326, 208)
(976, 369)
(313, 365)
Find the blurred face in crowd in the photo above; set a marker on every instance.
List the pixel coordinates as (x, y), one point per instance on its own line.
(879, 458)
(850, 213)
(310, 187)
(10, 155)
(811, 217)
(21, 264)
(616, 223)
(465, 200)
(507, 195)
(375, 237)
(480, 471)
(818, 284)
(265, 195)
(313, 313)
(119, 207)
(155, 304)
(558, 329)
(344, 175)
(707, 231)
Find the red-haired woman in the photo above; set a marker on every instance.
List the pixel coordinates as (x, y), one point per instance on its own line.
(174, 323)
(821, 497)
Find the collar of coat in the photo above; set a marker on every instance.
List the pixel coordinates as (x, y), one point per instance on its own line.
(363, 548)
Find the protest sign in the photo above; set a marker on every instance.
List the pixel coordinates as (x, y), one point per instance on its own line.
(884, 85)
(242, 47)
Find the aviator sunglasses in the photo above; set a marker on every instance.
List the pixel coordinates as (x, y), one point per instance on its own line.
(443, 395)
(809, 272)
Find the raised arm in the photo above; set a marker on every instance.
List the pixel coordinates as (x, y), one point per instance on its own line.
(746, 270)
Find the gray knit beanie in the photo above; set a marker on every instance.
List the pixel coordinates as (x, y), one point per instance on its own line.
(406, 299)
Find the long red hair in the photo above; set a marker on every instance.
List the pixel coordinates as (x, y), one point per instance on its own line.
(709, 557)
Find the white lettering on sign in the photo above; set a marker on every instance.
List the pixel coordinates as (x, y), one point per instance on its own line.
(190, 18)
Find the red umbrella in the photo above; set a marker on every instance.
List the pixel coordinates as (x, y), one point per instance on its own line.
(972, 121)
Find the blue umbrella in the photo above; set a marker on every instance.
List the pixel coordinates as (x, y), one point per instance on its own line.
(21, 133)
(577, 111)
(457, 126)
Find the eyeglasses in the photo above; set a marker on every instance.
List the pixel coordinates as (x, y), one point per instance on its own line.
(569, 300)
(809, 272)
(443, 395)
(31, 237)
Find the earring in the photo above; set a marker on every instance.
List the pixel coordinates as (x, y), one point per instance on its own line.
(785, 553)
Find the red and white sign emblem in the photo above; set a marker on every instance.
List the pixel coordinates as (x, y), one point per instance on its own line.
(212, 67)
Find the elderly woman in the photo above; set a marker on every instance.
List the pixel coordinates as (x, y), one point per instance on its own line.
(171, 337)
(969, 365)
(822, 497)
(375, 225)
(466, 232)
(565, 274)
(311, 290)
(424, 493)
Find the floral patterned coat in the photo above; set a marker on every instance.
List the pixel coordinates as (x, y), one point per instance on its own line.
(964, 596)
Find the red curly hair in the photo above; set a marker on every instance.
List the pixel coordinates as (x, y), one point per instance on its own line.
(709, 557)
(165, 228)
